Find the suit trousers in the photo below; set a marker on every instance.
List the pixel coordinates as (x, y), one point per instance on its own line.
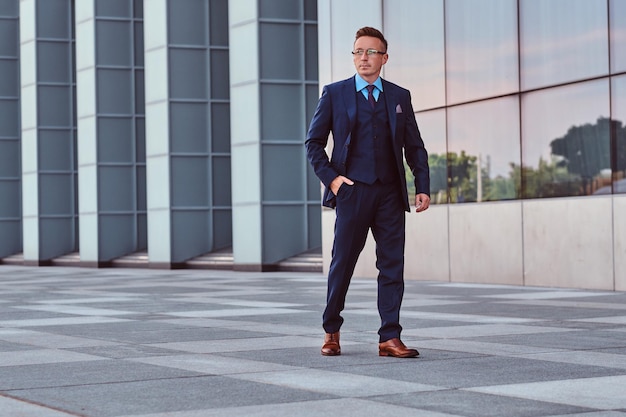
(361, 207)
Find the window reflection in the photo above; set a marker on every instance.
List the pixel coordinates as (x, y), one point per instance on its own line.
(619, 133)
(432, 125)
(557, 47)
(481, 49)
(565, 140)
(484, 151)
(416, 52)
(617, 24)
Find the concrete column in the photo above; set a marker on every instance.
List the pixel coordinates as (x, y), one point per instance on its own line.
(48, 130)
(10, 170)
(188, 129)
(111, 157)
(274, 89)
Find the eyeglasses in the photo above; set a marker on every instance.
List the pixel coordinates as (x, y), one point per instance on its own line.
(369, 52)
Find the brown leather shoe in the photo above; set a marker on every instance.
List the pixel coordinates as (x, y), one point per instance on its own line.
(331, 345)
(394, 347)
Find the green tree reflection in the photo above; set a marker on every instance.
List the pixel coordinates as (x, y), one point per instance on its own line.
(579, 164)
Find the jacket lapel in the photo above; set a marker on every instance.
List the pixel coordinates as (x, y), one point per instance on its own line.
(392, 101)
(349, 96)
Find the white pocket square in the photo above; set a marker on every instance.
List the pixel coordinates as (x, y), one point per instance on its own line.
(398, 109)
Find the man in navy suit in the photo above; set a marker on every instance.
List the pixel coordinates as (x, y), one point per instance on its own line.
(372, 122)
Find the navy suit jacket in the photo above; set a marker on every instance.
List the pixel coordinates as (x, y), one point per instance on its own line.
(336, 113)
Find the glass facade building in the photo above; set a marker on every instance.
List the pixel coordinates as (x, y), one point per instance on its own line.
(520, 104)
(169, 133)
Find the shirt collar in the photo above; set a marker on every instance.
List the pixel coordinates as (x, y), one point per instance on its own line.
(361, 83)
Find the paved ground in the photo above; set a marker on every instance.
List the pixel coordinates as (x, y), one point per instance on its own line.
(190, 343)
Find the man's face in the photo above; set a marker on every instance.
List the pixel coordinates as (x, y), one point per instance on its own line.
(369, 66)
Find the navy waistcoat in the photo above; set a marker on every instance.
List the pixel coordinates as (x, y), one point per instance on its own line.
(371, 151)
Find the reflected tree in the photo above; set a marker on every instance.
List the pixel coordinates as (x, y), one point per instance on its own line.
(585, 159)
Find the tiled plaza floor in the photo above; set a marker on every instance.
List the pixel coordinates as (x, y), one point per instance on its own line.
(198, 343)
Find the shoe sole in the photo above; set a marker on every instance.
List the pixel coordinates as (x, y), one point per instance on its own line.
(383, 353)
(331, 353)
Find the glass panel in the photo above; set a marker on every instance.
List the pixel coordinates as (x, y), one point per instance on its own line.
(115, 140)
(281, 112)
(56, 148)
(310, 9)
(113, 43)
(220, 127)
(277, 160)
(138, 50)
(55, 194)
(416, 51)
(280, 9)
(555, 49)
(54, 106)
(9, 158)
(220, 88)
(53, 19)
(619, 133)
(221, 181)
(280, 53)
(116, 188)
(617, 24)
(140, 96)
(484, 151)
(190, 185)
(219, 22)
(114, 91)
(53, 62)
(565, 140)
(222, 229)
(138, 8)
(113, 8)
(9, 84)
(9, 37)
(187, 22)
(188, 127)
(481, 49)
(9, 116)
(188, 73)
(9, 8)
(310, 52)
(432, 126)
(11, 196)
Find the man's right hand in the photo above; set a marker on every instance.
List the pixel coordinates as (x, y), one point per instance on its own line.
(337, 182)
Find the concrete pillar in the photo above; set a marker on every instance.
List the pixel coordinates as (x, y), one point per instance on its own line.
(10, 169)
(111, 146)
(274, 89)
(188, 129)
(48, 127)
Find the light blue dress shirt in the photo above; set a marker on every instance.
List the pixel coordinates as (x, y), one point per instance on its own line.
(361, 84)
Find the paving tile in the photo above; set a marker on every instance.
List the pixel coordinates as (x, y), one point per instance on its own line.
(98, 371)
(585, 357)
(335, 383)
(11, 407)
(481, 330)
(348, 407)
(604, 393)
(190, 343)
(164, 395)
(40, 356)
(473, 404)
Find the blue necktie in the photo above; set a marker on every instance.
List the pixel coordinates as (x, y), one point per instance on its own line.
(370, 95)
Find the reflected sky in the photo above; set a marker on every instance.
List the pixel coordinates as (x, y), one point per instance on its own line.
(416, 51)
(548, 115)
(489, 129)
(557, 49)
(618, 35)
(481, 49)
